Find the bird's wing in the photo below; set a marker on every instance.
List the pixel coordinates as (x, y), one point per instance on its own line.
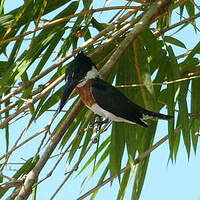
(112, 100)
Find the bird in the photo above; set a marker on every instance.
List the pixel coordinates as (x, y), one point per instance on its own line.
(101, 97)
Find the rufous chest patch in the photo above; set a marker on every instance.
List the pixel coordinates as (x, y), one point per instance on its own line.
(85, 93)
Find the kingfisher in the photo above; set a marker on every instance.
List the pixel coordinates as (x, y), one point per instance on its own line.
(101, 97)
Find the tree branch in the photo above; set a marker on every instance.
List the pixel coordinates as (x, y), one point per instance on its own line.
(163, 83)
(10, 184)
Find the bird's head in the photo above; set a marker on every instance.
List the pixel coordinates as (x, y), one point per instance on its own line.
(80, 70)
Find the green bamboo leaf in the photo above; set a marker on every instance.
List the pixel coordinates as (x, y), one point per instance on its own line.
(100, 181)
(27, 167)
(102, 158)
(120, 130)
(52, 100)
(190, 8)
(7, 132)
(173, 90)
(184, 116)
(65, 46)
(195, 107)
(5, 21)
(1, 179)
(87, 36)
(43, 104)
(48, 53)
(123, 185)
(42, 63)
(87, 4)
(41, 6)
(174, 41)
(177, 137)
(83, 125)
(117, 148)
(75, 147)
(181, 8)
(98, 164)
(144, 66)
(18, 44)
(154, 47)
(26, 18)
(2, 6)
(97, 25)
(72, 128)
(3, 67)
(139, 179)
(131, 141)
(142, 166)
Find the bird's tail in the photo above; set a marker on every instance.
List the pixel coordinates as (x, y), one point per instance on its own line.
(149, 115)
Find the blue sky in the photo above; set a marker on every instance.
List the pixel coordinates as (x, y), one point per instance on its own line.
(179, 180)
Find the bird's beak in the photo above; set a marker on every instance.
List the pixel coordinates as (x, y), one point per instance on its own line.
(70, 85)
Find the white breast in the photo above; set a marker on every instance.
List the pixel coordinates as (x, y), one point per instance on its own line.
(92, 74)
(100, 111)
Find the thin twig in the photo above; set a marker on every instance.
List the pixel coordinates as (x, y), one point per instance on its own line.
(194, 25)
(13, 93)
(158, 84)
(12, 183)
(184, 54)
(60, 158)
(32, 101)
(4, 176)
(20, 117)
(21, 144)
(186, 20)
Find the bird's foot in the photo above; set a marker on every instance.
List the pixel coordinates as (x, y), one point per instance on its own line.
(99, 122)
